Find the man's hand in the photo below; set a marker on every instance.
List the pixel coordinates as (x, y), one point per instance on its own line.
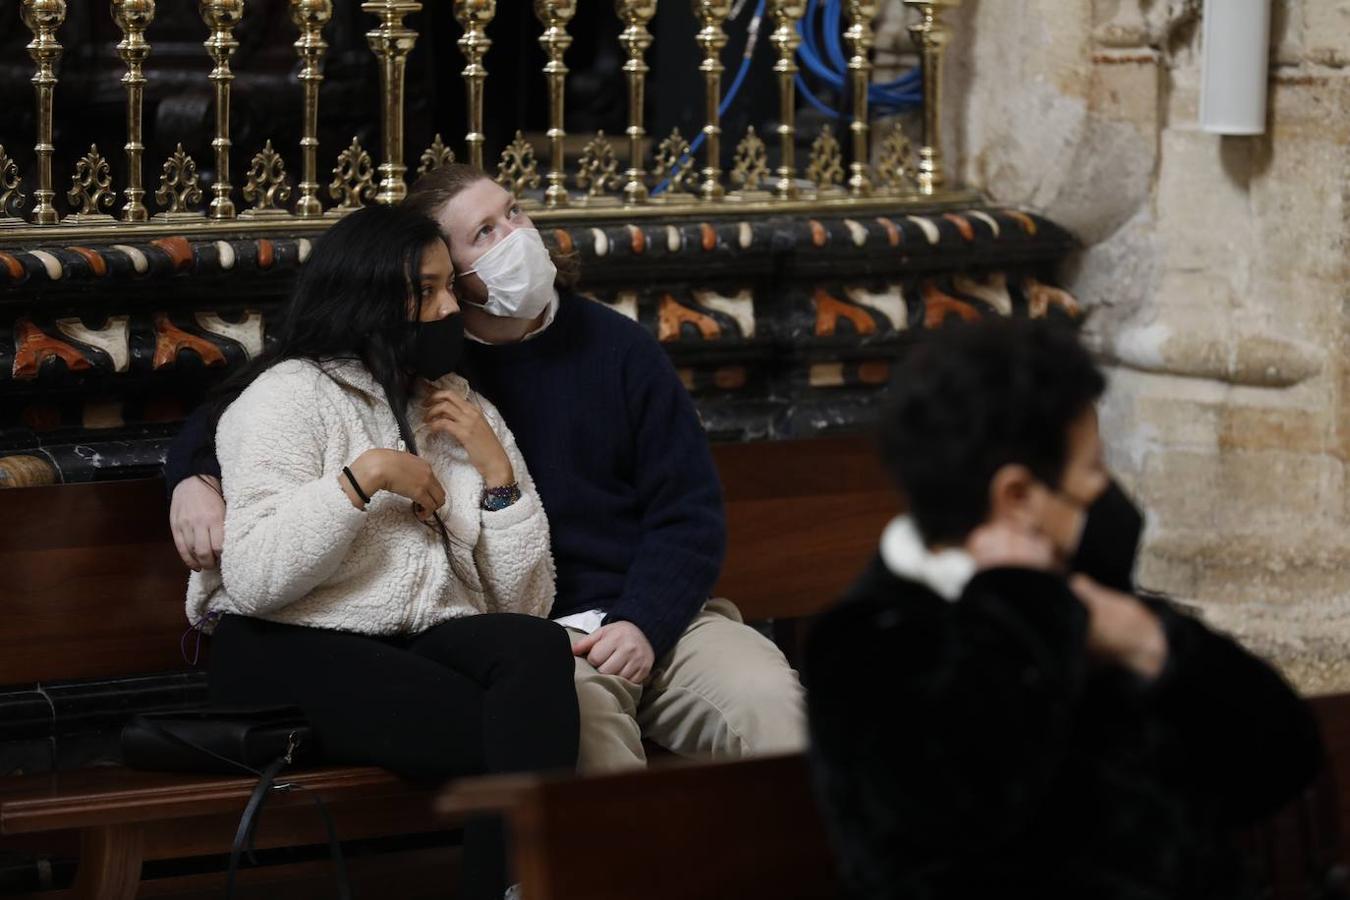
(1001, 544)
(197, 519)
(619, 648)
(1121, 629)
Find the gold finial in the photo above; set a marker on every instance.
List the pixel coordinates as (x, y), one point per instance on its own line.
(931, 36)
(267, 187)
(858, 35)
(751, 166)
(310, 17)
(11, 198)
(180, 189)
(636, 39)
(91, 190)
(785, 38)
(221, 16)
(133, 17)
(435, 156)
(826, 168)
(896, 162)
(392, 42)
(518, 170)
(598, 168)
(353, 184)
(712, 14)
(43, 18)
(673, 163)
(473, 16)
(554, 16)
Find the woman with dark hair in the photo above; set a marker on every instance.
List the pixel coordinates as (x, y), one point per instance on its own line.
(388, 561)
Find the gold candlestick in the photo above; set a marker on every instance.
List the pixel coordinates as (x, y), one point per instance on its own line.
(473, 16)
(221, 16)
(786, 40)
(931, 36)
(859, 38)
(392, 42)
(43, 17)
(636, 39)
(133, 17)
(712, 14)
(554, 16)
(310, 16)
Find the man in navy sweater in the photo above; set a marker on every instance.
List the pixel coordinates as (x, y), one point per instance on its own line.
(624, 470)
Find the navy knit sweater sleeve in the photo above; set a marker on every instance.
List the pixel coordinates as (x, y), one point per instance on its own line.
(683, 528)
(192, 452)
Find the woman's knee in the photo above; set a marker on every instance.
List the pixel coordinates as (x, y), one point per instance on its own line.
(537, 645)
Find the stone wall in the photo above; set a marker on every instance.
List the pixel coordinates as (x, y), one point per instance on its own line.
(1216, 270)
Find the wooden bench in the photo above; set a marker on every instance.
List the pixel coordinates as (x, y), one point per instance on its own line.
(91, 587)
(673, 832)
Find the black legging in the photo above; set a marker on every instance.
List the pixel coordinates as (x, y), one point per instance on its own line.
(480, 694)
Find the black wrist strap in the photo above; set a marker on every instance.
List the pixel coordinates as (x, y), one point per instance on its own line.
(346, 470)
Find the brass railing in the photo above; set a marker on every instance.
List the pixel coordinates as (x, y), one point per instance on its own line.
(891, 172)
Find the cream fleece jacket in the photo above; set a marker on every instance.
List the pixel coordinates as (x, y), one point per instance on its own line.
(297, 551)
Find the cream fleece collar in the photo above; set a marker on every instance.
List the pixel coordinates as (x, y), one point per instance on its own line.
(905, 554)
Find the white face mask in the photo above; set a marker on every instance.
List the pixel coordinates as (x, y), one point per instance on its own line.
(518, 274)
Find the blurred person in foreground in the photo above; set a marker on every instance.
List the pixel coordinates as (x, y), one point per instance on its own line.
(994, 710)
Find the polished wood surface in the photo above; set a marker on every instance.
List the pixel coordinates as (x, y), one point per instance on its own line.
(682, 831)
(90, 583)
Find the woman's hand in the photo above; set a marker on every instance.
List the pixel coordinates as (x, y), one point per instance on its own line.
(400, 473)
(465, 422)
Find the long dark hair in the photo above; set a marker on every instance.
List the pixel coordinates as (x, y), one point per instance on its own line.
(351, 301)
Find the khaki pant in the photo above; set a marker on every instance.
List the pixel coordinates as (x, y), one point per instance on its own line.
(724, 692)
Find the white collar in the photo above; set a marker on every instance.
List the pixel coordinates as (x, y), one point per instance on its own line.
(905, 554)
(549, 314)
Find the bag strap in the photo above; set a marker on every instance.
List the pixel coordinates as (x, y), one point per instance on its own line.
(248, 822)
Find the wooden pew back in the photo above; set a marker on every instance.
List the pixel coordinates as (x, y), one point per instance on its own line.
(746, 829)
(91, 586)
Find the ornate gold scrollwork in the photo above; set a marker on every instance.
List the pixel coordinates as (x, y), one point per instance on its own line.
(11, 198)
(267, 187)
(91, 190)
(518, 170)
(826, 168)
(353, 184)
(674, 163)
(435, 156)
(180, 188)
(598, 168)
(751, 166)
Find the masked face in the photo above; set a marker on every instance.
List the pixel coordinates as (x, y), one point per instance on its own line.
(436, 334)
(1057, 512)
(1109, 545)
(518, 274)
(437, 346)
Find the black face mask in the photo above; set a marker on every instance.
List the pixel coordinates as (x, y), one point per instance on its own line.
(437, 346)
(1110, 543)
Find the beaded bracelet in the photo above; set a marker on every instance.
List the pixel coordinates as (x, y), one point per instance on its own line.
(496, 498)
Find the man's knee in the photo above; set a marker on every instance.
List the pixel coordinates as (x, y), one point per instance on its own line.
(766, 706)
(611, 740)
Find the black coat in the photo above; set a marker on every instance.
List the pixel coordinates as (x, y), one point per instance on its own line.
(972, 749)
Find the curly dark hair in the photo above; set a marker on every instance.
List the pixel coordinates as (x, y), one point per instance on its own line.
(970, 398)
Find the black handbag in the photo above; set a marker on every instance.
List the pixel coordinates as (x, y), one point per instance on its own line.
(216, 740)
(232, 741)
